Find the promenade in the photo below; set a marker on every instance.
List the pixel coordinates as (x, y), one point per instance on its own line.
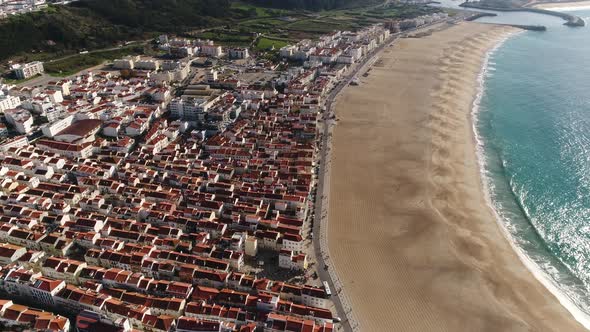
(326, 270)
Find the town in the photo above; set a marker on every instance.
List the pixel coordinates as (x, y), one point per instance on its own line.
(173, 194)
(16, 7)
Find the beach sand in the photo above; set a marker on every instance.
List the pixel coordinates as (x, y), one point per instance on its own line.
(564, 5)
(410, 234)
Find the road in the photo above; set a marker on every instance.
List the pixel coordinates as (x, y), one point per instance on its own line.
(325, 266)
(131, 43)
(320, 226)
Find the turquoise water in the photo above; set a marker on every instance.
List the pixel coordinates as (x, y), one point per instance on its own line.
(533, 125)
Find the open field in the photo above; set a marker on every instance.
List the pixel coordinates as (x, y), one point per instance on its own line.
(76, 63)
(410, 234)
(266, 43)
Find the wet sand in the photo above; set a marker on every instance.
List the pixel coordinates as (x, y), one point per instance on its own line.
(414, 242)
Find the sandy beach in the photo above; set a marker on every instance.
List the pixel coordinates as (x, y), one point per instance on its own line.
(414, 242)
(564, 5)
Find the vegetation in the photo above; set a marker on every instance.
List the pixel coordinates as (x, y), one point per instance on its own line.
(10, 78)
(57, 28)
(500, 3)
(74, 64)
(91, 24)
(314, 4)
(397, 11)
(158, 15)
(265, 43)
(245, 10)
(59, 31)
(228, 36)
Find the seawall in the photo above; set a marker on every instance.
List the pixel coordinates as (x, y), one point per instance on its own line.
(529, 27)
(479, 15)
(571, 20)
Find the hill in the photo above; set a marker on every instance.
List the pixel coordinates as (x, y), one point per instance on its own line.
(100, 23)
(313, 4)
(96, 24)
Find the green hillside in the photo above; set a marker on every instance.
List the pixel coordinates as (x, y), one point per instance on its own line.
(313, 4)
(91, 24)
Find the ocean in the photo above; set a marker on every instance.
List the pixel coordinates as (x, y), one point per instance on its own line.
(532, 123)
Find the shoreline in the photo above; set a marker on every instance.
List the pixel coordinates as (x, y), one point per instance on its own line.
(441, 240)
(562, 6)
(551, 286)
(570, 20)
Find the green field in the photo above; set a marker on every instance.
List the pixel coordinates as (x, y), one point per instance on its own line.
(265, 43)
(228, 37)
(396, 11)
(9, 79)
(76, 63)
(256, 11)
(62, 30)
(323, 26)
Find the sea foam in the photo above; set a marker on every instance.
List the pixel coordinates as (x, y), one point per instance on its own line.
(544, 273)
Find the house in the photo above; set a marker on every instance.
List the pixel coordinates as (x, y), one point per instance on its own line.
(10, 253)
(19, 317)
(292, 261)
(293, 242)
(63, 269)
(239, 53)
(137, 127)
(44, 290)
(191, 324)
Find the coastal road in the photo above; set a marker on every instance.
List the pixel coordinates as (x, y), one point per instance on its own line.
(326, 270)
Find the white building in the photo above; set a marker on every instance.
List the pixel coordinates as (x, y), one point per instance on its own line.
(53, 114)
(126, 63)
(251, 246)
(190, 109)
(211, 76)
(8, 102)
(293, 242)
(55, 96)
(9, 253)
(61, 86)
(28, 70)
(287, 51)
(291, 261)
(16, 142)
(44, 290)
(147, 64)
(212, 50)
(54, 128)
(239, 53)
(21, 119)
(137, 127)
(112, 129)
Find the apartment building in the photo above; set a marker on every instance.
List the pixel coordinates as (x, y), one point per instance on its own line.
(28, 70)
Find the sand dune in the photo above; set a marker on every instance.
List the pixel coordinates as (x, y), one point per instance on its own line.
(410, 234)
